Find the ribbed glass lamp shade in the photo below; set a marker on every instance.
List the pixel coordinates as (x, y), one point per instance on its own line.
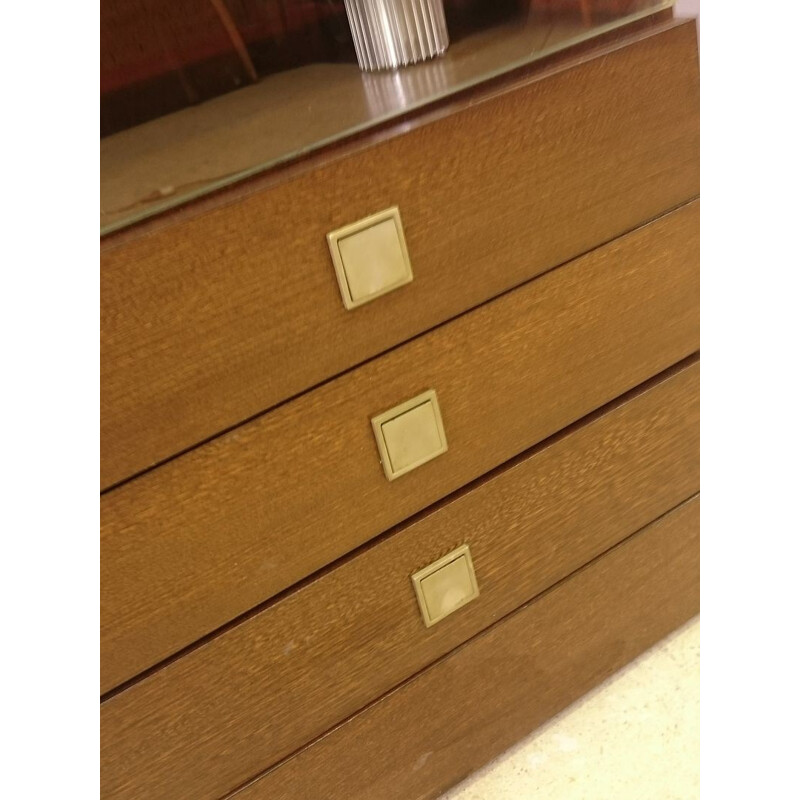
(392, 33)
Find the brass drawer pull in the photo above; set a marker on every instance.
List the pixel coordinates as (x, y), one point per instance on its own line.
(446, 585)
(370, 257)
(410, 434)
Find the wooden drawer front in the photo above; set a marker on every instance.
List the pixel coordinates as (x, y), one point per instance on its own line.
(209, 320)
(318, 655)
(208, 536)
(477, 702)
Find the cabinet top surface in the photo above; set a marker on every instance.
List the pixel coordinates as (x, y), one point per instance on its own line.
(173, 159)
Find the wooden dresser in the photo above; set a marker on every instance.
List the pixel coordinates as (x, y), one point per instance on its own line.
(362, 530)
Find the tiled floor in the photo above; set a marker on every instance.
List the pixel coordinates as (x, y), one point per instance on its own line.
(636, 736)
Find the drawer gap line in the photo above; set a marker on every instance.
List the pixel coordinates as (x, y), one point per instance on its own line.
(586, 420)
(458, 648)
(274, 407)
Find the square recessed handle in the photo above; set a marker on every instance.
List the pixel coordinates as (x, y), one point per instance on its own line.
(370, 257)
(410, 434)
(446, 585)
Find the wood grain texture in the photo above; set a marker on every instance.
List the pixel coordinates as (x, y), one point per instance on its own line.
(303, 115)
(217, 317)
(455, 716)
(189, 546)
(315, 657)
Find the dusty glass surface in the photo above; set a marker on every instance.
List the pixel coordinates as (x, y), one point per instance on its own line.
(183, 121)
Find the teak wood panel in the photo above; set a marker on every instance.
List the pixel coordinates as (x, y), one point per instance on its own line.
(215, 318)
(316, 656)
(203, 152)
(208, 536)
(463, 711)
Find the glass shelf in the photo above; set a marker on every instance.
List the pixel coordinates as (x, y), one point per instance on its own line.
(181, 156)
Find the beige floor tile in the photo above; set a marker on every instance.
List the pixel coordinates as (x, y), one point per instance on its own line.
(636, 736)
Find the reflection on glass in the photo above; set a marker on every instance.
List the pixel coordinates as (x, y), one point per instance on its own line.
(196, 94)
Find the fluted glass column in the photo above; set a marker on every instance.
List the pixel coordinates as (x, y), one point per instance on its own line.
(392, 33)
